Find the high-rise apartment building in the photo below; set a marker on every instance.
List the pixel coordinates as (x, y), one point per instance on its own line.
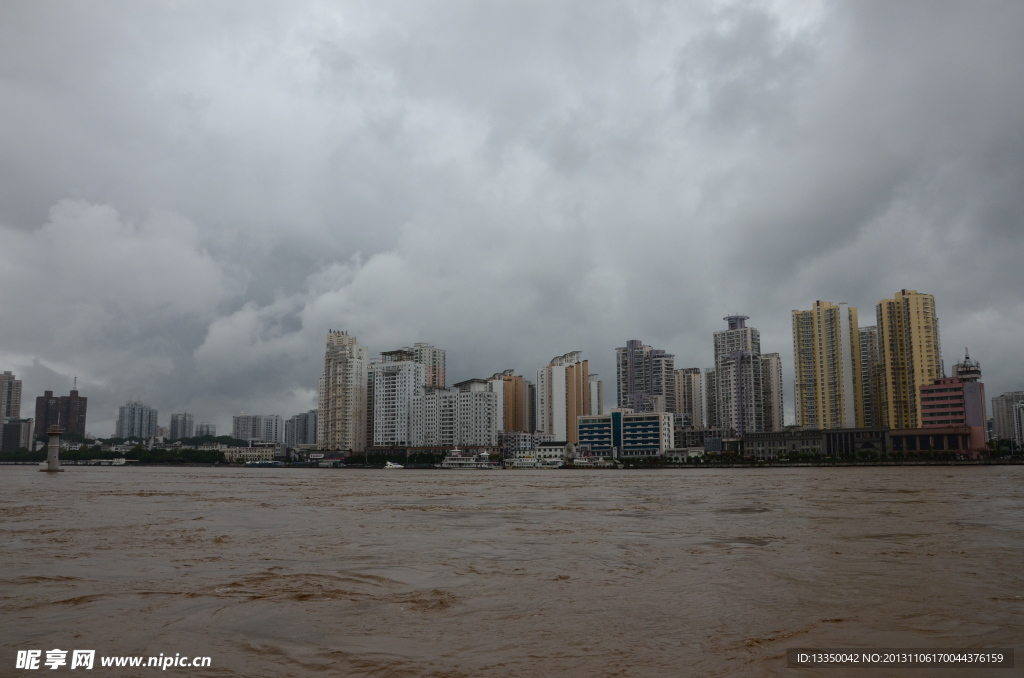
(1004, 426)
(182, 425)
(562, 394)
(135, 420)
(261, 428)
(908, 339)
(596, 395)
(870, 381)
(476, 422)
(513, 400)
(206, 429)
(711, 398)
(466, 415)
(645, 378)
(690, 395)
(341, 411)
(10, 397)
(771, 382)
(432, 418)
(433, 361)
(394, 384)
(300, 429)
(745, 387)
(827, 361)
(531, 396)
(68, 412)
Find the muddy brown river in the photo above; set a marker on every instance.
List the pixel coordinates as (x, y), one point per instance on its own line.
(405, 573)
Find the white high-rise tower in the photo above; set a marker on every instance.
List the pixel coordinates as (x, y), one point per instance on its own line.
(341, 412)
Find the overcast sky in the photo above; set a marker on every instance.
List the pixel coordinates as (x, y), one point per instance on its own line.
(193, 193)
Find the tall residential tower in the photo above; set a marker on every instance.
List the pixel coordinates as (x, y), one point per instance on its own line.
(690, 395)
(563, 394)
(392, 385)
(68, 412)
(645, 377)
(745, 387)
(870, 379)
(134, 420)
(911, 355)
(827, 361)
(10, 397)
(182, 425)
(341, 411)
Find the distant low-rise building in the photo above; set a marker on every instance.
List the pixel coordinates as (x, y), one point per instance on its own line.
(244, 454)
(684, 455)
(625, 433)
(840, 443)
(555, 449)
(958, 439)
(693, 436)
(769, 445)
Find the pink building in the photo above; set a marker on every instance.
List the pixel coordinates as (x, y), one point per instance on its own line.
(953, 401)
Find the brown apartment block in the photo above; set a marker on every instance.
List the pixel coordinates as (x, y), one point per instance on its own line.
(68, 412)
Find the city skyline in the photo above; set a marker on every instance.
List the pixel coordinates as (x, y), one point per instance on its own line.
(788, 369)
(203, 195)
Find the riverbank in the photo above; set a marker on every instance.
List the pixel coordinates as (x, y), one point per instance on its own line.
(653, 467)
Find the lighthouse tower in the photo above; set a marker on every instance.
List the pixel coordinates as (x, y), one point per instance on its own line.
(53, 450)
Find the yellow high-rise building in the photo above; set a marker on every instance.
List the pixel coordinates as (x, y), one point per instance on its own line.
(908, 344)
(826, 357)
(513, 401)
(563, 394)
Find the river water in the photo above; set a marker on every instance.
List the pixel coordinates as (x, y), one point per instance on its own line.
(403, 573)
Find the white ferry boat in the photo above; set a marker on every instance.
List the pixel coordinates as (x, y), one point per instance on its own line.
(522, 462)
(391, 464)
(592, 462)
(530, 460)
(459, 459)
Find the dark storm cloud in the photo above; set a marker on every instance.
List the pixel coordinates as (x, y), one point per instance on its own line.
(198, 192)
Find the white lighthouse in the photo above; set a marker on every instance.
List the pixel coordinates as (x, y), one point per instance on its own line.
(53, 450)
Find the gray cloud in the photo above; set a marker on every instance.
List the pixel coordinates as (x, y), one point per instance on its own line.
(192, 194)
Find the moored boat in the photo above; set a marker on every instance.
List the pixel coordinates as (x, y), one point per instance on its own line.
(460, 459)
